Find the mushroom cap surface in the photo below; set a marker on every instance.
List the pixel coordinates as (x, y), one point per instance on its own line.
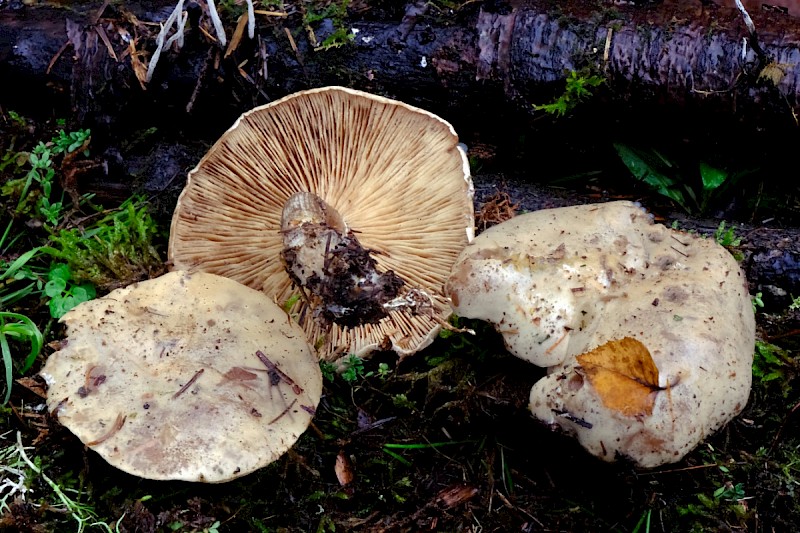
(162, 378)
(558, 283)
(395, 173)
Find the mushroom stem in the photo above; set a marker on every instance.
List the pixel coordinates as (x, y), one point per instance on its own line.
(321, 255)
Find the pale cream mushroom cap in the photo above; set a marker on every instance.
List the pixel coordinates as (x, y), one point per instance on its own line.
(560, 282)
(162, 378)
(395, 173)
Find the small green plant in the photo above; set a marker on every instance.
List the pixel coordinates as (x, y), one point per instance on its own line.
(336, 12)
(213, 528)
(727, 236)
(692, 191)
(401, 400)
(63, 293)
(17, 119)
(730, 492)
(290, 301)
(384, 371)
(770, 363)
(41, 173)
(35, 189)
(69, 142)
(726, 502)
(328, 371)
(462, 341)
(578, 89)
(353, 368)
(116, 249)
(339, 37)
(758, 303)
(21, 329)
(16, 459)
(795, 305)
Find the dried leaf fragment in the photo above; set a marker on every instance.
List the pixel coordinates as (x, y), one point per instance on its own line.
(624, 375)
(456, 494)
(344, 469)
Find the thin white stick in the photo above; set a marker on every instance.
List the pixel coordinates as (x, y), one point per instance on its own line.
(177, 14)
(251, 19)
(212, 12)
(178, 35)
(180, 23)
(156, 55)
(747, 20)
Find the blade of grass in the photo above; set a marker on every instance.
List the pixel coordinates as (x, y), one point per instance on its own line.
(19, 294)
(422, 446)
(397, 456)
(18, 263)
(508, 481)
(387, 448)
(5, 236)
(5, 349)
(643, 521)
(23, 329)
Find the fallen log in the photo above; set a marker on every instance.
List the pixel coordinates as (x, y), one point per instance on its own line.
(674, 74)
(669, 57)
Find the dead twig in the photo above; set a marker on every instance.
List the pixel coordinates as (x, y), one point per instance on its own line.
(188, 383)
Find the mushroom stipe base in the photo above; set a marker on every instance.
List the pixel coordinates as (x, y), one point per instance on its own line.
(338, 277)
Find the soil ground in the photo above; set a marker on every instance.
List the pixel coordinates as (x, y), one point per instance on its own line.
(442, 441)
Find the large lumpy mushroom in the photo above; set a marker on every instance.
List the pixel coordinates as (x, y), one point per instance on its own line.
(647, 332)
(347, 207)
(187, 377)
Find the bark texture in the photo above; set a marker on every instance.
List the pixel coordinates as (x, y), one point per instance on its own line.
(684, 55)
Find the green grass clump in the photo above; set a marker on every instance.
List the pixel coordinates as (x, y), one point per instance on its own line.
(57, 250)
(115, 250)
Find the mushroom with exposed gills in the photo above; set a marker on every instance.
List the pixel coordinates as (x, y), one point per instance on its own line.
(647, 333)
(346, 207)
(191, 377)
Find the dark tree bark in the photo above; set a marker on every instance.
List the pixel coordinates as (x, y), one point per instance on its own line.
(686, 56)
(671, 66)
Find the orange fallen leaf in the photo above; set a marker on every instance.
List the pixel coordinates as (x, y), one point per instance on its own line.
(237, 35)
(343, 469)
(624, 375)
(34, 385)
(139, 68)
